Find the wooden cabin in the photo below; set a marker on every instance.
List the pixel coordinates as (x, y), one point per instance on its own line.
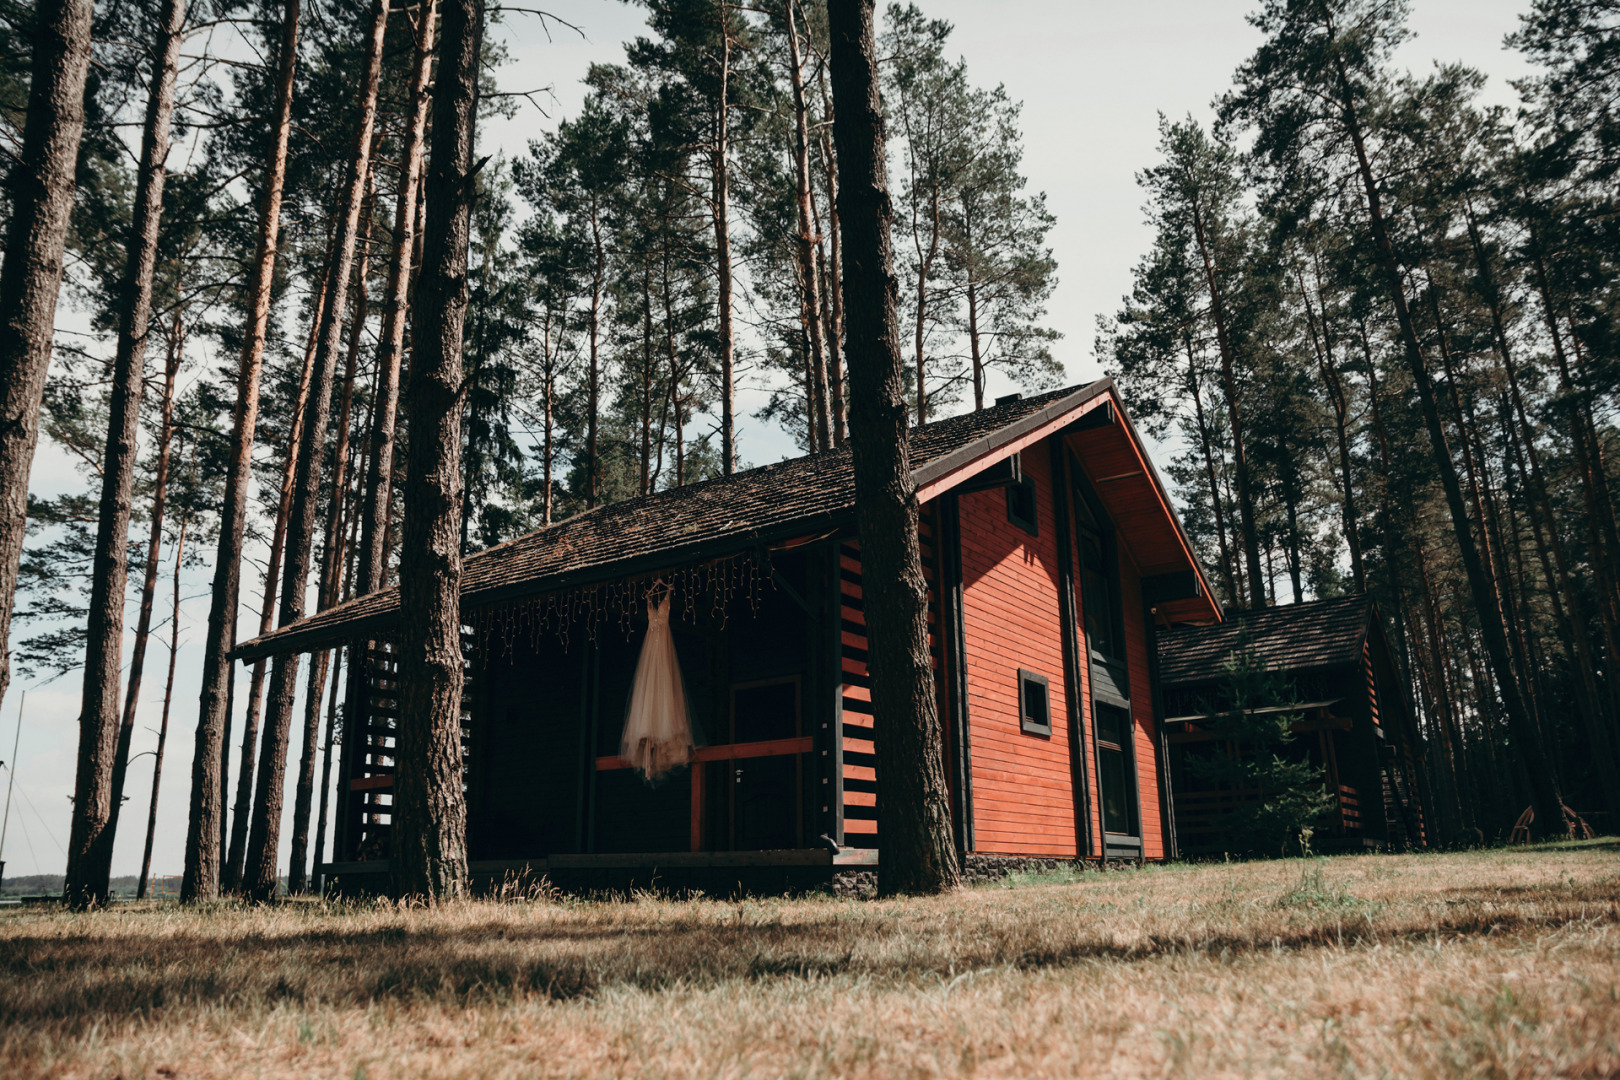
(1355, 720)
(1053, 558)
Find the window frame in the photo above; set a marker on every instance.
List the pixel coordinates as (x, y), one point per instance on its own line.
(1027, 724)
(1126, 749)
(1015, 492)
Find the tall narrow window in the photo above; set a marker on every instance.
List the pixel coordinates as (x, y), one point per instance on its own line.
(1116, 779)
(1099, 594)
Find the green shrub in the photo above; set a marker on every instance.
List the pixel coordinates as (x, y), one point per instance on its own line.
(1293, 798)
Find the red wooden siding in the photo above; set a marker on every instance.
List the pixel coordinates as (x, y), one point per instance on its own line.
(1023, 788)
(860, 763)
(1023, 791)
(860, 774)
(1372, 682)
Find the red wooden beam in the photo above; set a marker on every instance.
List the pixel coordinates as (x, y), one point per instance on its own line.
(727, 752)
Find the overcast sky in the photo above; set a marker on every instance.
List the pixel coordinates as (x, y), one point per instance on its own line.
(1092, 74)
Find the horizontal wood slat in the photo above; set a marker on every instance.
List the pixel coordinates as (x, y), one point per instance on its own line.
(803, 744)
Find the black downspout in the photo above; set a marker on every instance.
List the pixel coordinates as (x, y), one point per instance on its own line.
(1167, 804)
(956, 690)
(1071, 648)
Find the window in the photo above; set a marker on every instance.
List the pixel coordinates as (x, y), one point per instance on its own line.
(1115, 777)
(1034, 703)
(1099, 594)
(1021, 505)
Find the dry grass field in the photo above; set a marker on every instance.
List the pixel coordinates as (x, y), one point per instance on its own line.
(1500, 963)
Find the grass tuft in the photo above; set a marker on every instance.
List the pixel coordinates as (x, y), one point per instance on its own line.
(1314, 892)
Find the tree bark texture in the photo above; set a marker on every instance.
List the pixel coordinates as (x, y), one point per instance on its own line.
(429, 856)
(201, 880)
(264, 834)
(391, 339)
(818, 407)
(42, 182)
(96, 794)
(242, 813)
(720, 196)
(835, 306)
(333, 553)
(914, 823)
(154, 548)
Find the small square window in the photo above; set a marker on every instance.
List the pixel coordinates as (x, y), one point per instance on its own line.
(1034, 703)
(1021, 507)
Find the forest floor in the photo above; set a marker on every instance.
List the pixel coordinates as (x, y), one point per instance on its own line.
(1492, 963)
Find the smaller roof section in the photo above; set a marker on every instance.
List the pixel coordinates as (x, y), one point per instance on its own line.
(1296, 637)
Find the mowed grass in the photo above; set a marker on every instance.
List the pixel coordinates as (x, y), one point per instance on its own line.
(1497, 963)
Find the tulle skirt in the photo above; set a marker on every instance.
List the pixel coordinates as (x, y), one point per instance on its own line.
(657, 727)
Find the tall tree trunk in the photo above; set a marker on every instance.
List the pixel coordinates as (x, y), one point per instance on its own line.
(333, 554)
(925, 266)
(1530, 749)
(1333, 382)
(720, 196)
(429, 857)
(809, 271)
(646, 373)
(677, 375)
(593, 379)
(1240, 461)
(332, 717)
(201, 880)
(42, 189)
(264, 835)
(1583, 440)
(99, 784)
(163, 725)
(975, 349)
(154, 548)
(391, 338)
(835, 278)
(548, 388)
(241, 814)
(1216, 501)
(326, 770)
(914, 820)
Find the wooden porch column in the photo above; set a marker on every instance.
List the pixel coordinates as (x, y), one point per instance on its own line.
(698, 770)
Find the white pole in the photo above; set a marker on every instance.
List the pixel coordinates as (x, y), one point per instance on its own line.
(12, 782)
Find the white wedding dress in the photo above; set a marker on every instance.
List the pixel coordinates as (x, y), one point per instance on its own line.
(657, 730)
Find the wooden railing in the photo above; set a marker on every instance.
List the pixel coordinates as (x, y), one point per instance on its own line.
(803, 744)
(727, 752)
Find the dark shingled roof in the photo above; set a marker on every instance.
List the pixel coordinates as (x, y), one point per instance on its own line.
(1298, 637)
(667, 528)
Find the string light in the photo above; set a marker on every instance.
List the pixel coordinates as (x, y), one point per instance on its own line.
(707, 590)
